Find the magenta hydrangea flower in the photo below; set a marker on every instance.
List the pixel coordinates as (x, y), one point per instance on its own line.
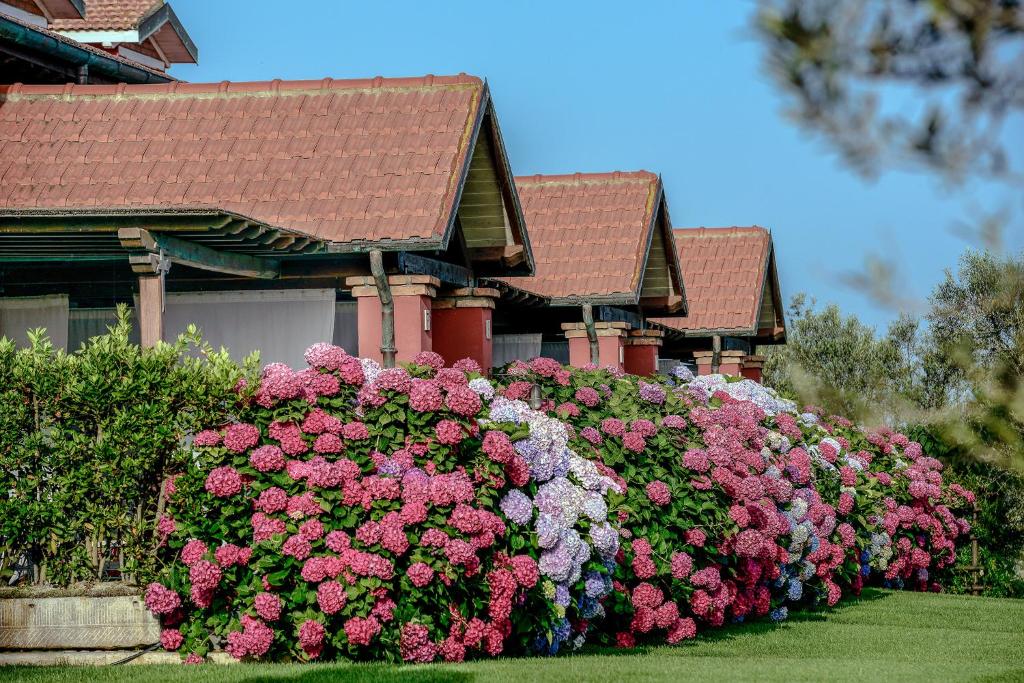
(425, 396)
(449, 432)
(297, 546)
(267, 458)
(420, 574)
(467, 365)
(634, 441)
(311, 638)
(224, 482)
(592, 435)
(429, 359)
(193, 551)
(268, 606)
(161, 600)
(588, 396)
(673, 422)
(207, 437)
(355, 431)
(171, 639)
(331, 597)
(658, 493)
(613, 426)
(361, 631)
(240, 437)
(463, 401)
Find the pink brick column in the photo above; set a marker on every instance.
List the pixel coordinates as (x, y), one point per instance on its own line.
(610, 344)
(730, 362)
(462, 325)
(752, 367)
(703, 360)
(640, 353)
(413, 296)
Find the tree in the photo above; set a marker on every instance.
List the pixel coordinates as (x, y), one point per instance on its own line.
(840, 364)
(903, 82)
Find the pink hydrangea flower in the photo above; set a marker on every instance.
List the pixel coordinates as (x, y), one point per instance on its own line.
(658, 492)
(224, 482)
(161, 600)
(425, 396)
(171, 639)
(634, 441)
(240, 437)
(207, 437)
(268, 606)
(449, 432)
(331, 597)
(193, 551)
(311, 638)
(420, 574)
(361, 631)
(267, 459)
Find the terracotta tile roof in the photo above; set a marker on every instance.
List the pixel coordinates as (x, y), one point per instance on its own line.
(109, 15)
(378, 160)
(724, 270)
(589, 232)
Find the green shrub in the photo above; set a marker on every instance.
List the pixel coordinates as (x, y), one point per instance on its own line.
(85, 440)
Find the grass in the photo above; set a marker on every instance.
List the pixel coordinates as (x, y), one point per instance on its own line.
(881, 636)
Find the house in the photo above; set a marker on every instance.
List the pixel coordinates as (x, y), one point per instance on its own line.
(32, 52)
(273, 214)
(604, 250)
(735, 301)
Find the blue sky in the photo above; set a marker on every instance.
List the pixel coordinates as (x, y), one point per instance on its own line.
(673, 87)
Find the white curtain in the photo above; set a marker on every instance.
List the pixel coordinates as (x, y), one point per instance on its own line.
(510, 347)
(346, 326)
(86, 323)
(18, 315)
(281, 323)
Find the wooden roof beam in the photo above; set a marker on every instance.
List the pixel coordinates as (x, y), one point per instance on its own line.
(198, 256)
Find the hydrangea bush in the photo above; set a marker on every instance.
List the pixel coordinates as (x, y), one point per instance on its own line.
(738, 506)
(424, 513)
(407, 513)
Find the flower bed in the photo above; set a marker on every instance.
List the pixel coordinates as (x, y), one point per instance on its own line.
(413, 514)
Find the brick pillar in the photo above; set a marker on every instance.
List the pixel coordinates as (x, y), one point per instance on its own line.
(610, 344)
(730, 362)
(462, 325)
(751, 368)
(703, 360)
(413, 296)
(640, 353)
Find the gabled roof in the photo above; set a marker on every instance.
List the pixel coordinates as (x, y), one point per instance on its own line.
(602, 238)
(40, 50)
(731, 282)
(360, 163)
(132, 22)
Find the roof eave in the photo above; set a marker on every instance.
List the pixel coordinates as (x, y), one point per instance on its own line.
(163, 14)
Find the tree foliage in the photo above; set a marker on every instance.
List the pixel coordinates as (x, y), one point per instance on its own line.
(905, 82)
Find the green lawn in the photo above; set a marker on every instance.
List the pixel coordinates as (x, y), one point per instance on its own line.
(884, 636)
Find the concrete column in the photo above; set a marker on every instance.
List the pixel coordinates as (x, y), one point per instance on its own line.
(413, 295)
(640, 353)
(610, 341)
(151, 310)
(462, 325)
(752, 367)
